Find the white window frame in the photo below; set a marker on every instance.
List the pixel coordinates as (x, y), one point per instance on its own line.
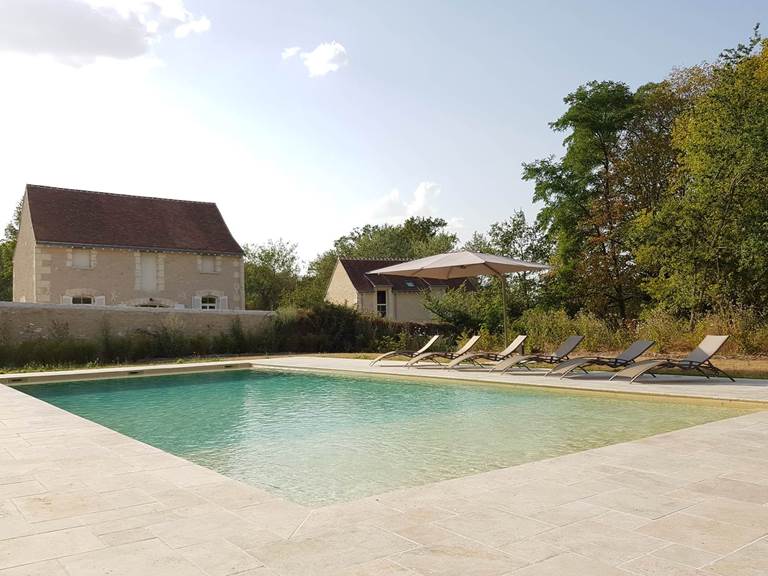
(84, 255)
(207, 264)
(80, 300)
(209, 305)
(381, 308)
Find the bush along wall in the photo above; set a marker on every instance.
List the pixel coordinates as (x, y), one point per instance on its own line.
(322, 329)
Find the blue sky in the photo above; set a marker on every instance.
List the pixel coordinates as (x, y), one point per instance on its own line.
(432, 110)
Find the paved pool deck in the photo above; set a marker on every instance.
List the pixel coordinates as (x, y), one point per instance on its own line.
(78, 499)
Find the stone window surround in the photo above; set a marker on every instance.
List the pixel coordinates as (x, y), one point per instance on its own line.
(98, 299)
(222, 301)
(160, 270)
(217, 260)
(70, 253)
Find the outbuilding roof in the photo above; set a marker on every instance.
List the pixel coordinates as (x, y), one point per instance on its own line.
(84, 218)
(357, 269)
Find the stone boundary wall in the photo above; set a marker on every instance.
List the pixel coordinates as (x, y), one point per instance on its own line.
(22, 321)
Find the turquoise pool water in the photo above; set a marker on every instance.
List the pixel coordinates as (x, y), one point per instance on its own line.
(321, 438)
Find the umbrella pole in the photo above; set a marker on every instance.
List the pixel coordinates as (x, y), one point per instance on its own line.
(504, 305)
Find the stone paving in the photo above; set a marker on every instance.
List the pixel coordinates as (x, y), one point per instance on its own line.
(79, 499)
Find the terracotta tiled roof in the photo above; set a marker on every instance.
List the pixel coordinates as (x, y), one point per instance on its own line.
(357, 269)
(82, 218)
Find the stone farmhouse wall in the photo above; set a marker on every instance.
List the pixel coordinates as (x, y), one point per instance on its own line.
(22, 321)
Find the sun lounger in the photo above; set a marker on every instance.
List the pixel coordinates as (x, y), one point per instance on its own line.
(473, 357)
(557, 356)
(698, 360)
(434, 356)
(407, 353)
(624, 359)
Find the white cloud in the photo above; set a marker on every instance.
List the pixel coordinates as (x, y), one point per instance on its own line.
(289, 53)
(78, 32)
(394, 207)
(193, 26)
(327, 57)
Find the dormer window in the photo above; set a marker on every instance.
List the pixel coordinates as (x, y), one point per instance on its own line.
(82, 300)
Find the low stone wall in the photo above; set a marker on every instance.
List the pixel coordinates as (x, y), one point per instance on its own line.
(19, 321)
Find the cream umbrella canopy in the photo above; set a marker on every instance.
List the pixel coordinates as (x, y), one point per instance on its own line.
(464, 264)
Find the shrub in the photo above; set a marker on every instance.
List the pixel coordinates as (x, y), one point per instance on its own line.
(546, 329)
(669, 332)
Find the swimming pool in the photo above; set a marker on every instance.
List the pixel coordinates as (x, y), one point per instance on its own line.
(322, 438)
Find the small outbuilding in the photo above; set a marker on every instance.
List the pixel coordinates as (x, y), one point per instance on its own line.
(396, 298)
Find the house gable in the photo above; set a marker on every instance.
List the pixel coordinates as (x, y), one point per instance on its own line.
(340, 289)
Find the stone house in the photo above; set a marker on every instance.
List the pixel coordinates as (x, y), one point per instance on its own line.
(397, 298)
(80, 247)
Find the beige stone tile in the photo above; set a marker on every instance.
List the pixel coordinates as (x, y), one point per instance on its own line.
(145, 481)
(429, 534)
(143, 517)
(53, 505)
(494, 527)
(703, 533)
(651, 504)
(569, 513)
(232, 494)
(47, 546)
(533, 550)
(150, 557)
(47, 568)
(219, 558)
(199, 529)
(608, 544)
(17, 489)
(733, 511)
(381, 567)
(333, 549)
(397, 521)
(126, 536)
(344, 514)
(570, 564)
(686, 555)
(733, 489)
(179, 498)
(752, 560)
(656, 566)
(534, 497)
(279, 516)
(465, 559)
(187, 475)
(622, 520)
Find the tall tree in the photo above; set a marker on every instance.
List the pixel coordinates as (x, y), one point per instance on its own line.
(271, 273)
(708, 239)
(516, 238)
(7, 246)
(585, 204)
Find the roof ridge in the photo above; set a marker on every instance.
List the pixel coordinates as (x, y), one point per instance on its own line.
(371, 259)
(118, 194)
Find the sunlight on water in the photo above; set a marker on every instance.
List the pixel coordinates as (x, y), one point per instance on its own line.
(318, 438)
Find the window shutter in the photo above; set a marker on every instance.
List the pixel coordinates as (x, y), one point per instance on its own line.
(100, 300)
(197, 302)
(223, 303)
(66, 299)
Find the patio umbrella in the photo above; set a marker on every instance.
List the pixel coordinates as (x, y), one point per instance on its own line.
(464, 265)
